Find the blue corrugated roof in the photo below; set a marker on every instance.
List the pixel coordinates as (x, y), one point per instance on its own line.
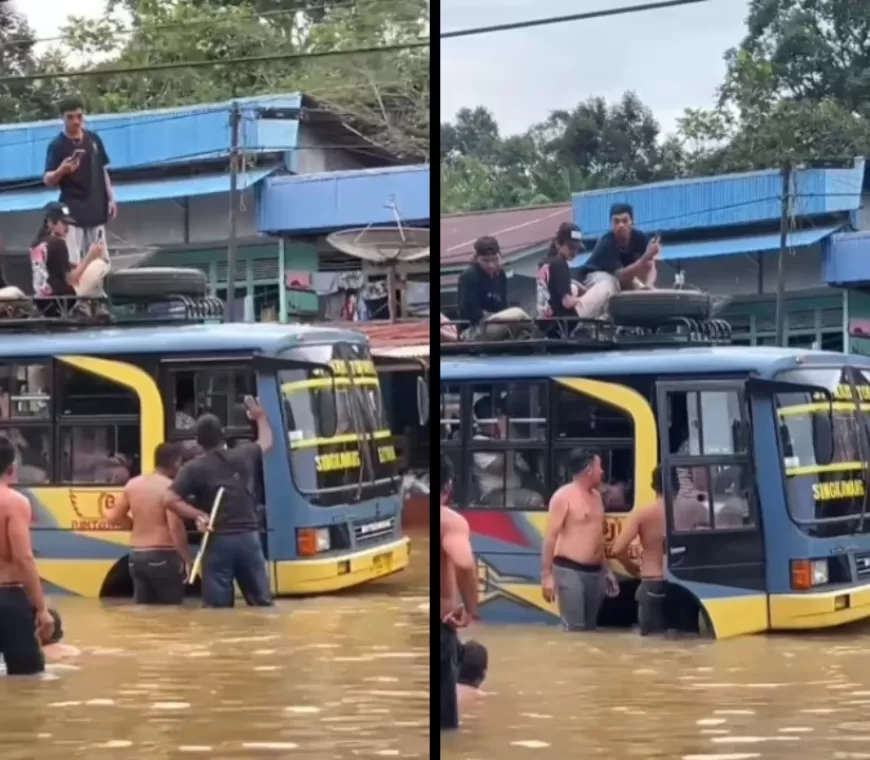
(847, 260)
(260, 337)
(136, 192)
(707, 249)
(338, 200)
(720, 360)
(154, 138)
(724, 201)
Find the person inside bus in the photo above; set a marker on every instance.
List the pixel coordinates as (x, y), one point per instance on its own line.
(53, 273)
(483, 301)
(499, 476)
(623, 259)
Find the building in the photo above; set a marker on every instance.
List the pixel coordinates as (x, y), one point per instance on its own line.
(306, 173)
(723, 235)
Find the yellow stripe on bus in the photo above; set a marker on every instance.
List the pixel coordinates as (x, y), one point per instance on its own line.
(310, 443)
(821, 469)
(328, 382)
(837, 406)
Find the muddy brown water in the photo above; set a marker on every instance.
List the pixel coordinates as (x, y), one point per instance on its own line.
(551, 694)
(329, 678)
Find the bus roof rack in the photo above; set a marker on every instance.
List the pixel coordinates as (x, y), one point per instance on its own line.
(571, 335)
(59, 313)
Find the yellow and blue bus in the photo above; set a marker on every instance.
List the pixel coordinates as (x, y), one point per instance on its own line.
(772, 442)
(87, 407)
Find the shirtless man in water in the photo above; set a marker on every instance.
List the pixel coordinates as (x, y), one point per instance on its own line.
(648, 524)
(458, 579)
(574, 569)
(24, 616)
(160, 556)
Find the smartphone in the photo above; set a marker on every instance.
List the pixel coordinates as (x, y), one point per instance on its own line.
(78, 153)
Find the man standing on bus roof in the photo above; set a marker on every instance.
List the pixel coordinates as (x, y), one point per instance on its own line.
(235, 552)
(24, 615)
(648, 525)
(483, 299)
(159, 556)
(574, 569)
(623, 259)
(77, 163)
(458, 581)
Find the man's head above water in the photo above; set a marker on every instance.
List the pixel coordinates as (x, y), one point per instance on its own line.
(472, 665)
(209, 432)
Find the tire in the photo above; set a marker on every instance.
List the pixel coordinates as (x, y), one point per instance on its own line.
(156, 282)
(655, 306)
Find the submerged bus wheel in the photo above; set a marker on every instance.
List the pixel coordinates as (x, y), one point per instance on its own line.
(118, 583)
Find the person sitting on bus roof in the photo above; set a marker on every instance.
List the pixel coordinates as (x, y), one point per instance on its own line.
(53, 273)
(623, 259)
(558, 294)
(483, 302)
(499, 475)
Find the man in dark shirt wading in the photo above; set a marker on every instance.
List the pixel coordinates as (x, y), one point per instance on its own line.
(234, 551)
(483, 296)
(77, 163)
(623, 259)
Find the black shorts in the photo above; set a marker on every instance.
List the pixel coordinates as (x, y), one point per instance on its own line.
(19, 644)
(158, 576)
(449, 713)
(651, 596)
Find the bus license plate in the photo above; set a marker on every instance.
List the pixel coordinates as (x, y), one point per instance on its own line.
(383, 563)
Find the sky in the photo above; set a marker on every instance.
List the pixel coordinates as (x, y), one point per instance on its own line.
(672, 58)
(47, 16)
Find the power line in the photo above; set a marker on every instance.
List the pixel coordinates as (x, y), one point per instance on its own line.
(589, 15)
(193, 22)
(174, 65)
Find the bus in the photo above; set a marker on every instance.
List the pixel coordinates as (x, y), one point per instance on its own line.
(86, 408)
(774, 442)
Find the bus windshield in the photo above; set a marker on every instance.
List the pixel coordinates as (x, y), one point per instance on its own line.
(821, 443)
(356, 460)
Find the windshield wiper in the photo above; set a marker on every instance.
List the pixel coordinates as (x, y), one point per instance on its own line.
(360, 422)
(863, 446)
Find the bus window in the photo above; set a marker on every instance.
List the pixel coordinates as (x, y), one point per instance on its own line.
(449, 417)
(585, 423)
(98, 429)
(711, 497)
(217, 390)
(25, 392)
(706, 423)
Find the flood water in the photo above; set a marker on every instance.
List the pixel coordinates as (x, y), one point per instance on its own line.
(551, 694)
(331, 678)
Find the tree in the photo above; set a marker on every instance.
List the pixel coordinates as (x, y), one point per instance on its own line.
(385, 96)
(23, 101)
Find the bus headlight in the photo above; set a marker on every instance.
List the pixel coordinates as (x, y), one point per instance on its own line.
(808, 573)
(311, 541)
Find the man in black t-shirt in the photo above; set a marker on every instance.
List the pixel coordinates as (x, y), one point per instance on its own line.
(77, 163)
(623, 259)
(234, 551)
(483, 303)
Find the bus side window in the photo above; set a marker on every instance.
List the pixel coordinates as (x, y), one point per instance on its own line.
(98, 429)
(25, 418)
(586, 423)
(218, 390)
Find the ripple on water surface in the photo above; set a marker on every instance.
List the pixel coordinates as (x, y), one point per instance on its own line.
(241, 683)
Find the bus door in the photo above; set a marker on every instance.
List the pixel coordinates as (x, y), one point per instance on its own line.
(715, 544)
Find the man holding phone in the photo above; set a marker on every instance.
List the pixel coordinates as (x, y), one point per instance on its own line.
(623, 259)
(77, 163)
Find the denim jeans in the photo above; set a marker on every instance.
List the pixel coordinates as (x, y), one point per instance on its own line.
(235, 557)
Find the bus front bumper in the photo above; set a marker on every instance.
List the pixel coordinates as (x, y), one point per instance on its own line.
(320, 576)
(822, 609)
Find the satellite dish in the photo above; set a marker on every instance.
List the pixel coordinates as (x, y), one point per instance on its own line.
(383, 245)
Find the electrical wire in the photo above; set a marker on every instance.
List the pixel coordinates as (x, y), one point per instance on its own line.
(549, 20)
(243, 61)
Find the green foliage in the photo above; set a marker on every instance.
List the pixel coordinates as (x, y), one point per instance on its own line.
(797, 87)
(385, 96)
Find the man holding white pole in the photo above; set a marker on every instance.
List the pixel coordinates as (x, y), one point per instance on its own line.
(234, 551)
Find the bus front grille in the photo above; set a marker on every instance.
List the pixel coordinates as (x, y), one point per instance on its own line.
(374, 530)
(862, 565)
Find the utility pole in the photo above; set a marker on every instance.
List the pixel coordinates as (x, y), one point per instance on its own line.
(784, 220)
(232, 248)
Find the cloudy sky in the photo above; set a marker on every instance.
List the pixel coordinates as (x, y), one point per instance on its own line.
(47, 16)
(671, 58)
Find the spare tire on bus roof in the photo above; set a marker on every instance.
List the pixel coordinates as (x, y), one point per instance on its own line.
(646, 306)
(156, 282)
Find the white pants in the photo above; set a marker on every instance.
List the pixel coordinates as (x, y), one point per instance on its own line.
(599, 287)
(91, 282)
(80, 239)
(11, 293)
